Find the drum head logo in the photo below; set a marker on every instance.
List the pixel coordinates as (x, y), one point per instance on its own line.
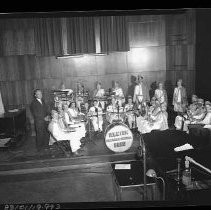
(119, 138)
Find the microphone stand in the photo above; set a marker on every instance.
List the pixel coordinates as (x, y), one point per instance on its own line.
(144, 165)
(96, 110)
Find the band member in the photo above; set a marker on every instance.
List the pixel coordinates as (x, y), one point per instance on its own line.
(196, 117)
(63, 133)
(75, 117)
(118, 93)
(114, 111)
(40, 113)
(96, 117)
(192, 112)
(141, 92)
(160, 94)
(69, 122)
(157, 120)
(129, 110)
(80, 92)
(63, 88)
(99, 94)
(179, 97)
(205, 120)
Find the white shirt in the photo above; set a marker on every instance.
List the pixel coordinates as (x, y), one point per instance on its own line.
(39, 100)
(73, 112)
(177, 91)
(100, 93)
(138, 92)
(119, 92)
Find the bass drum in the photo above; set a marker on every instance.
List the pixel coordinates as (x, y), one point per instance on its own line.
(118, 137)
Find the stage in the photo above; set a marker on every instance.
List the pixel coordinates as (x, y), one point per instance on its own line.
(28, 176)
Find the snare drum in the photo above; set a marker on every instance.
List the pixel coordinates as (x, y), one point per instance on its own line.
(118, 137)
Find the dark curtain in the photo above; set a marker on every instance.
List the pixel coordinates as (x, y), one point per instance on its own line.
(16, 36)
(80, 35)
(114, 33)
(48, 36)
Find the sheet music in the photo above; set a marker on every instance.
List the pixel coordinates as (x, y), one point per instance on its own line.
(122, 166)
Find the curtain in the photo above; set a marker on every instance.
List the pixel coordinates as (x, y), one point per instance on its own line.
(16, 36)
(80, 35)
(114, 33)
(48, 36)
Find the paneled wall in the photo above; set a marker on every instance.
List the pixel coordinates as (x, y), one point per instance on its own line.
(180, 50)
(154, 54)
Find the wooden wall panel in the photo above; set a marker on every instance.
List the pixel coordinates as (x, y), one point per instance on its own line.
(112, 63)
(147, 59)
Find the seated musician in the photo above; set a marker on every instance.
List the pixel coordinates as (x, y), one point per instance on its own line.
(160, 94)
(192, 111)
(63, 88)
(129, 110)
(61, 134)
(114, 111)
(203, 118)
(95, 113)
(141, 92)
(98, 95)
(157, 119)
(196, 111)
(118, 93)
(75, 117)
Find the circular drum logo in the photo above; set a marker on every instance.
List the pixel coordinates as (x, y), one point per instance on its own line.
(119, 138)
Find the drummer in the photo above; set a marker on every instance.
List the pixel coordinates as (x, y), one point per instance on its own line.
(114, 111)
(129, 110)
(118, 93)
(95, 113)
(99, 93)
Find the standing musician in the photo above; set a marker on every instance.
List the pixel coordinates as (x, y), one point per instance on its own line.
(129, 110)
(179, 97)
(99, 94)
(114, 111)
(160, 94)
(118, 93)
(95, 113)
(141, 92)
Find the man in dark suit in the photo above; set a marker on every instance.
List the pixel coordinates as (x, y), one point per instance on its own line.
(40, 113)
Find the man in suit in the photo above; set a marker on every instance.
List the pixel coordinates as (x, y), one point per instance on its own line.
(40, 112)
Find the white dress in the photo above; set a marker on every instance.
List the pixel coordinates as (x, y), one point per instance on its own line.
(60, 135)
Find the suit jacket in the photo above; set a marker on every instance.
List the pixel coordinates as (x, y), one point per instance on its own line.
(38, 110)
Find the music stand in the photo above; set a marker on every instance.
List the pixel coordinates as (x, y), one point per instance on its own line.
(130, 177)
